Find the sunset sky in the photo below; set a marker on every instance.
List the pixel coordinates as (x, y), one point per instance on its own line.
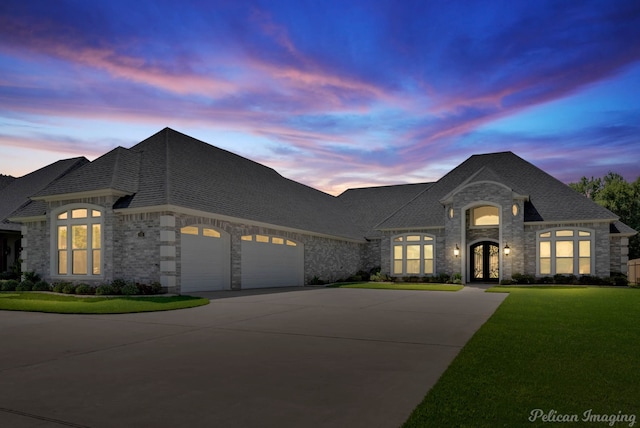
(333, 93)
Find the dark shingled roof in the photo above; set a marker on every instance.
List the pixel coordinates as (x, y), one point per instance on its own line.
(16, 194)
(548, 198)
(173, 168)
(5, 180)
(118, 169)
(369, 206)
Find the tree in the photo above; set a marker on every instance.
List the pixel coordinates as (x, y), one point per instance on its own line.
(618, 196)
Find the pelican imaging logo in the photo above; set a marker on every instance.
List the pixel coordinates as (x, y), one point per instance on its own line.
(554, 416)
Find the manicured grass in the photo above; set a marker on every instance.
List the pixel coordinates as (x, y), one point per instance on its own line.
(401, 286)
(45, 302)
(562, 350)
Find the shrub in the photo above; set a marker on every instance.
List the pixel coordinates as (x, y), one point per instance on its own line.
(85, 289)
(316, 281)
(9, 285)
(380, 277)
(565, 279)
(105, 289)
(58, 286)
(619, 279)
(117, 285)
(41, 286)
(129, 289)
(31, 276)
(506, 282)
(519, 278)
(8, 275)
(443, 278)
(69, 288)
(156, 287)
(25, 285)
(545, 280)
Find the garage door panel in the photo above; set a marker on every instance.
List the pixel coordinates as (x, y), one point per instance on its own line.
(265, 264)
(205, 261)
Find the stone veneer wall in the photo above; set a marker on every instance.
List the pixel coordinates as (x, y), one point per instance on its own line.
(510, 231)
(619, 250)
(601, 243)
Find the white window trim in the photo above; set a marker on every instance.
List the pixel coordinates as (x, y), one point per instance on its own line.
(576, 256)
(53, 254)
(404, 243)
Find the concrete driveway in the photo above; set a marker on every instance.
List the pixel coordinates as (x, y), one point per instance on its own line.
(313, 357)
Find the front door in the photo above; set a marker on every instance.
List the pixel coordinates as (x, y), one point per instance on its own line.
(485, 263)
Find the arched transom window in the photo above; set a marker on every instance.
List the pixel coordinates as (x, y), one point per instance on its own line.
(565, 251)
(79, 241)
(485, 215)
(413, 254)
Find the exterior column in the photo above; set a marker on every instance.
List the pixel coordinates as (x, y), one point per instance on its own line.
(168, 253)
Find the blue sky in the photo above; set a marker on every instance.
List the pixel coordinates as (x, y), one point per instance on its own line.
(333, 94)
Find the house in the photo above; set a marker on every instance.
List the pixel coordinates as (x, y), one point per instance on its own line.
(195, 217)
(14, 194)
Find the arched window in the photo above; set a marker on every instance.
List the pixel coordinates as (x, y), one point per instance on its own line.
(565, 251)
(79, 241)
(485, 215)
(413, 254)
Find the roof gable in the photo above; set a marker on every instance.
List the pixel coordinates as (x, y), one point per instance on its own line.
(15, 196)
(549, 199)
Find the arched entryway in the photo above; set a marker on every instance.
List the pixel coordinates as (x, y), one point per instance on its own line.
(484, 261)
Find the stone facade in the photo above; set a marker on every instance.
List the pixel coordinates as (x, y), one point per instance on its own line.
(146, 246)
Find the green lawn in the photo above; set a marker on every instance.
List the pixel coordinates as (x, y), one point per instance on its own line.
(562, 350)
(44, 302)
(400, 286)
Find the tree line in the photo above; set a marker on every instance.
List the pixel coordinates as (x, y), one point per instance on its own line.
(620, 197)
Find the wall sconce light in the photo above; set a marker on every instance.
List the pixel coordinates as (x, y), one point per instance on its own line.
(141, 234)
(507, 250)
(456, 251)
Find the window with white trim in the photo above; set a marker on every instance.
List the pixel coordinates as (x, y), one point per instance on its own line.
(413, 254)
(79, 242)
(565, 251)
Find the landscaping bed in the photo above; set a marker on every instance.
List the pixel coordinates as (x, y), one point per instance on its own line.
(399, 286)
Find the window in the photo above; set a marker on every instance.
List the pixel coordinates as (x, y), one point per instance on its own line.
(485, 216)
(200, 231)
(565, 251)
(79, 242)
(269, 239)
(413, 254)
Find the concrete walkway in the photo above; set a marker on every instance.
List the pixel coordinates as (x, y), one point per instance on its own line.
(279, 358)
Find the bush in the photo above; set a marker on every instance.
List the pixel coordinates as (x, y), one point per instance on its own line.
(545, 280)
(117, 285)
(565, 279)
(316, 281)
(58, 286)
(8, 285)
(69, 288)
(620, 279)
(444, 278)
(25, 285)
(519, 278)
(105, 289)
(156, 287)
(129, 289)
(41, 286)
(506, 282)
(31, 276)
(380, 277)
(85, 289)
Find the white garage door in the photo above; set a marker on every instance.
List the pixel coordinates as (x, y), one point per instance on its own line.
(205, 259)
(270, 261)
